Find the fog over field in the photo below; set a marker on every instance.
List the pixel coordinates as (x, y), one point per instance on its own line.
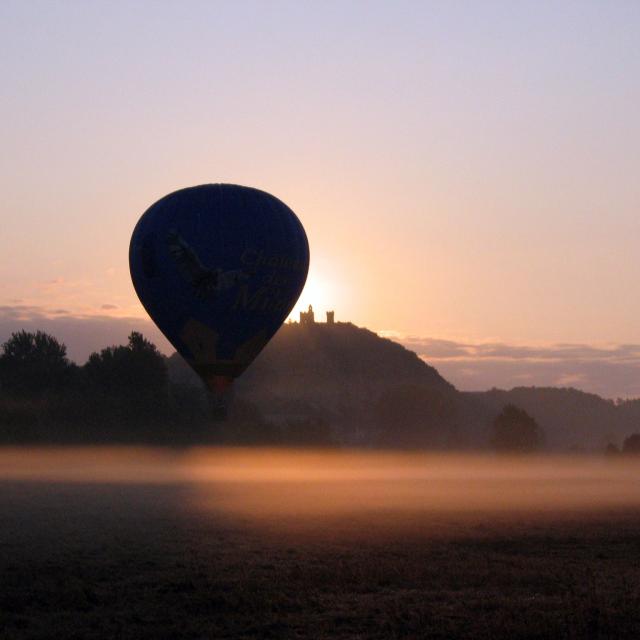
(149, 543)
(265, 485)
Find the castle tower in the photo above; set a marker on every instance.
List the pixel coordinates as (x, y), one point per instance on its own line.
(307, 317)
(330, 317)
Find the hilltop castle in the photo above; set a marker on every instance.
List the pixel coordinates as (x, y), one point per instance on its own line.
(308, 317)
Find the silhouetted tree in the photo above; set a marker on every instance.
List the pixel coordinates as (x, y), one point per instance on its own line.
(514, 430)
(33, 363)
(132, 379)
(632, 444)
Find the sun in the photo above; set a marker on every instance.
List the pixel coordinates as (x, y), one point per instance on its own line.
(318, 292)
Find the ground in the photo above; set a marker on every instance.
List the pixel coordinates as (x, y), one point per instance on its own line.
(136, 560)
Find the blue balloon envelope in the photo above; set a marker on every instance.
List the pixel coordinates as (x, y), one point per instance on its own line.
(219, 267)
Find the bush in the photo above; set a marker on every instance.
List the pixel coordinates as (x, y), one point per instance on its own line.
(515, 431)
(632, 444)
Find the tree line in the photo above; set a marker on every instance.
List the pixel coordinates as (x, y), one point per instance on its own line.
(120, 394)
(46, 397)
(124, 394)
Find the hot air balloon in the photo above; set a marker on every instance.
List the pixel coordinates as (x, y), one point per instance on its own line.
(218, 267)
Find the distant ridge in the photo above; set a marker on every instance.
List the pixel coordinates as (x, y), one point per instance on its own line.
(373, 390)
(571, 419)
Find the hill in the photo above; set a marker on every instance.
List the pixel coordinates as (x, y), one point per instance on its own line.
(363, 389)
(367, 389)
(330, 361)
(572, 420)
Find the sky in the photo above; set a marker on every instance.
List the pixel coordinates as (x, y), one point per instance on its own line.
(467, 172)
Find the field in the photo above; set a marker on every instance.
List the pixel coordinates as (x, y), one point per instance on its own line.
(144, 543)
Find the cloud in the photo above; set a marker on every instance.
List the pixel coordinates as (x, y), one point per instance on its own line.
(108, 307)
(447, 349)
(609, 370)
(82, 334)
(571, 379)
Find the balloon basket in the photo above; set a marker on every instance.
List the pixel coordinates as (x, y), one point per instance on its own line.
(220, 397)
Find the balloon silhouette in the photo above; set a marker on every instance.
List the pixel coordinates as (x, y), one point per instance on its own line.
(218, 267)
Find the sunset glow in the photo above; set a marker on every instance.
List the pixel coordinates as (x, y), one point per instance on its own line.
(321, 294)
(385, 186)
(319, 319)
(452, 182)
